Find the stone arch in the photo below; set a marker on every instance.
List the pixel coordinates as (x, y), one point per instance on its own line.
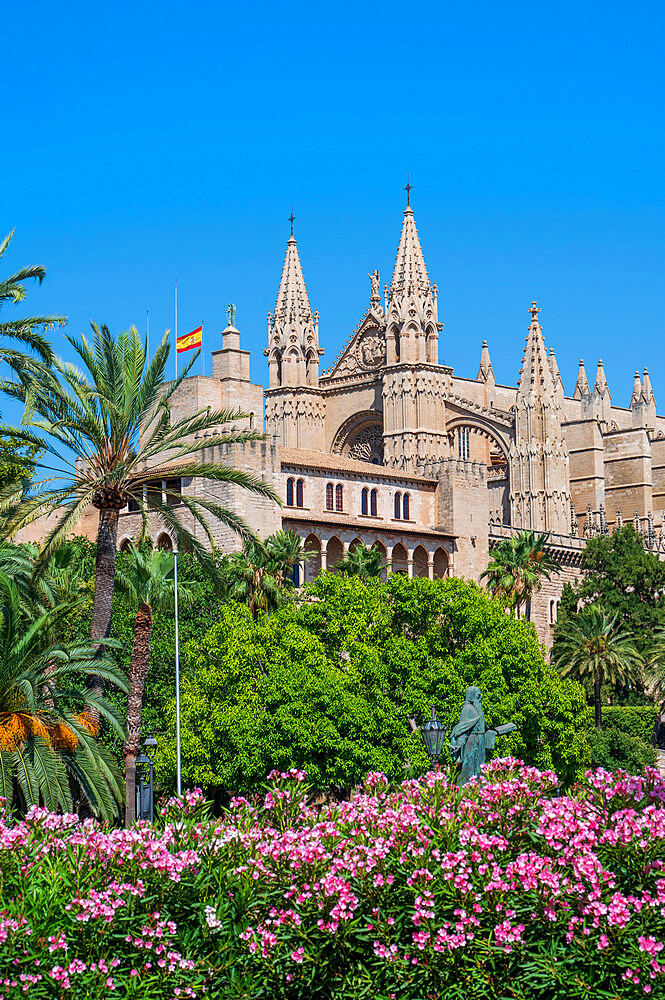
(360, 437)
(441, 563)
(312, 565)
(378, 544)
(420, 562)
(334, 552)
(165, 542)
(124, 544)
(399, 559)
(495, 447)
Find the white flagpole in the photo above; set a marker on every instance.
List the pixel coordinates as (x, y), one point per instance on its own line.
(175, 353)
(177, 680)
(203, 350)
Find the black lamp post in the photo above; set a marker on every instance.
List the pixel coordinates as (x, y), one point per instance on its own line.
(145, 782)
(433, 734)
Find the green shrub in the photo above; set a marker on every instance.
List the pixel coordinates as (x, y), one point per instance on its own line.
(613, 749)
(636, 720)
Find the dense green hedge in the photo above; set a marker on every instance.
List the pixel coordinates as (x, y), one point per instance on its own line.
(636, 720)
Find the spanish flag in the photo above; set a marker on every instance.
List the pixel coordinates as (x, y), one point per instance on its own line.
(189, 340)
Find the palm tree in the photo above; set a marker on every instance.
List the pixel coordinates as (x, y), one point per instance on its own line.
(146, 578)
(518, 566)
(109, 432)
(361, 561)
(590, 644)
(12, 289)
(47, 738)
(260, 574)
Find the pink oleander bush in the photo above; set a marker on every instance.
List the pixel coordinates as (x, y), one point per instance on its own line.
(503, 890)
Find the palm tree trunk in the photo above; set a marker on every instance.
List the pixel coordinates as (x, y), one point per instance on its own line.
(596, 698)
(102, 607)
(107, 535)
(528, 609)
(138, 670)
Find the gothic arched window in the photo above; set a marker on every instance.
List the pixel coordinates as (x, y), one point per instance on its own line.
(372, 503)
(339, 497)
(289, 493)
(363, 500)
(398, 506)
(329, 496)
(299, 493)
(406, 507)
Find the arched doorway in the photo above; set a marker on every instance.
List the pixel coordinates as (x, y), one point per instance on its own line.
(165, 542)
(399, 559)
(420, 567)
(384, 569)
(334, 552)
(441, 563)
(313, 564)
(124, 545)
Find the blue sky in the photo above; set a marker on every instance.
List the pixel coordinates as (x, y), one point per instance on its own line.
(146, 142)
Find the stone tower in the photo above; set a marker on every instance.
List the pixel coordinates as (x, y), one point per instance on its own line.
(414, 386)
(293, 350)
(295, 410)
(539, 477)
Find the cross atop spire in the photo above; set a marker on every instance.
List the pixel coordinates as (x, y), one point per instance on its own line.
(408, 189)
(534, 310)
(291, 219)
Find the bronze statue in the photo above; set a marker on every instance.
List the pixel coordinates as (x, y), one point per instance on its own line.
(231, 314)
(470, 738)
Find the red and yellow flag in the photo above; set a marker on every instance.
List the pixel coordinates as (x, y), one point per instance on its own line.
(189, 340)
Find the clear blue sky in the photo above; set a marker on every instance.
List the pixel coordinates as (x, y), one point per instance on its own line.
(145, 142)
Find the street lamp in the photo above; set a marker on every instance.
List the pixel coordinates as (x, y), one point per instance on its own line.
(145, 782)
(433, 734)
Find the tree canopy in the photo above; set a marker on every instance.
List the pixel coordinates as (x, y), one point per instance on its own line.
(626, 580)
(329, 682)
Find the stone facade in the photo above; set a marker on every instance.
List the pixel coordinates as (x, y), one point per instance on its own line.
(392, 448)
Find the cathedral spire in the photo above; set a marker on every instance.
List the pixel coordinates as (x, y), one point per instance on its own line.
(293, 330)
(413, 327)
(647, 391)
(637, 390)
(556, 374)
(582, 384)
(410, 274)
(485, 372)
(539, 484)
(536, 372)
(601, 387)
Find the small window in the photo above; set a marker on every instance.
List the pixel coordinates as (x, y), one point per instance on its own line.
(296, 575)
(299, 493)
(398, 506)
(339, 497)
(289, 493)
(329, 496)
(363, 500)
(406, 507)
(554, 612)
(132, 506)
(372, 503)
(251, 421)
(463, 443)
(173, 489)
